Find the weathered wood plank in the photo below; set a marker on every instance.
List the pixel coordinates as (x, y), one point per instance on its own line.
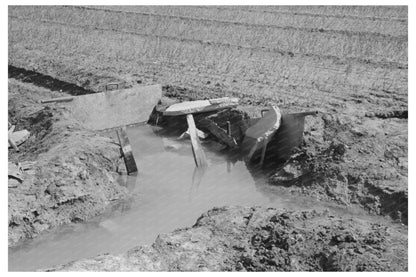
(218, 132)
(289, 135)
(200, 106)
(199, 155)
(126, 150)
(116, 108)
(260, 133)
(59, 99)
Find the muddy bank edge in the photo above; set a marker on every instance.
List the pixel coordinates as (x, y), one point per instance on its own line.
(70, 173)
(263, 239)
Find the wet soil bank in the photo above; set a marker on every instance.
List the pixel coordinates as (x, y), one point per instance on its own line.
(69, 173)
(263, 239)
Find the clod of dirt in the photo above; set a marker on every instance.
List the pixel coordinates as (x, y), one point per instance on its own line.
(262, 239)
(390, 114)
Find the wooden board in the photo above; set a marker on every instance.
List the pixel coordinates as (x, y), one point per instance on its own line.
(199, 155)
(126, 151)
(116, 108)
(200, 106)
(218, 132)
(57, 100)
(266, 125)
(258, 135)
(289, 135)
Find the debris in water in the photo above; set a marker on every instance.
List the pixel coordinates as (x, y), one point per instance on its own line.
(199, 155)
(185, 135)
(126, 151)
(200, 106)
(219, 133)
(261, 133)
(289, 135)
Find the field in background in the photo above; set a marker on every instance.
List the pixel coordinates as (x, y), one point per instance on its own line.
(316, 57)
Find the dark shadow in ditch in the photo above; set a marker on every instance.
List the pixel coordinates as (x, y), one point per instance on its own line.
(39, 79)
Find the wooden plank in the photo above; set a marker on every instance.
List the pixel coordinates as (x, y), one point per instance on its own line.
(199, 155)
(260, 133)
(266, 125)
(200, 106)
(116, 108)
(126, 150)
(218, 132)
(289, 135)
(263, 151)
(59, 99)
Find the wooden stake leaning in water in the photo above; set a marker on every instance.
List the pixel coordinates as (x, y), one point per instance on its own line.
(126, 151)
(199, 106)
(199, 155)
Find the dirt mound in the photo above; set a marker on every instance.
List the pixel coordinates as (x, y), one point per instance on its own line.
(69, 173)
(353, 160)
(261, 239)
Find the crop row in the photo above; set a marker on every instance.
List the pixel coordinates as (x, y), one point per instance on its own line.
(295, 20)
(272, 51)
(387, 13)
(292, 41)
(105, 49)
(84, 69)
(344, 30)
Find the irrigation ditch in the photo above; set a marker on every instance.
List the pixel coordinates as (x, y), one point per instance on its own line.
(71, 176)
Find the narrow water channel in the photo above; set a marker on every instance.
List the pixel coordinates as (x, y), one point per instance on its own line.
(168, 193)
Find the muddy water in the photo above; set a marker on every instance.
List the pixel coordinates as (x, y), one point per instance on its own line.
(168, 193)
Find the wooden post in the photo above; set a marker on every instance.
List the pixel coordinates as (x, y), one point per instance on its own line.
(229, 134)
(199, 155)
(126, 151)
(263, 151)
(252, 150)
